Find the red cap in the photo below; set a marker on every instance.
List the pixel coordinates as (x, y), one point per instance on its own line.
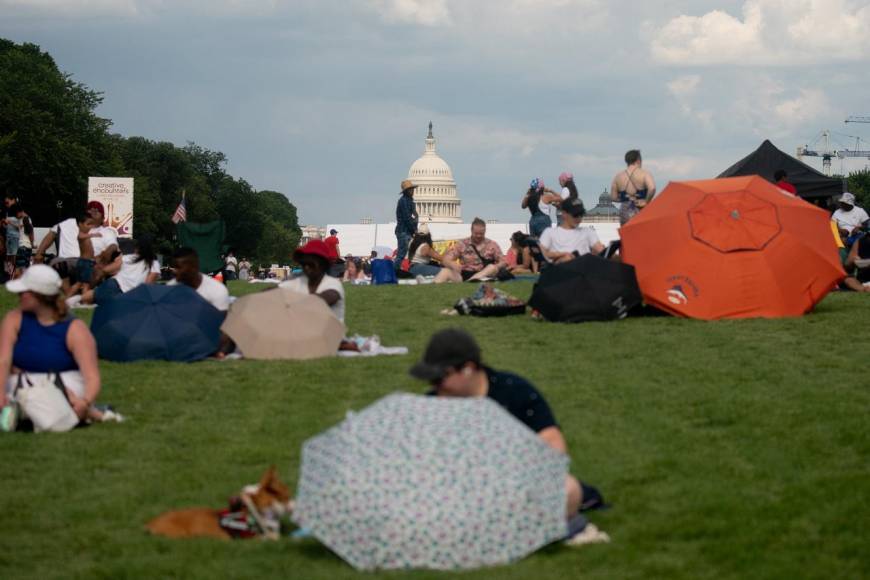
(314, 248)
(97, 205)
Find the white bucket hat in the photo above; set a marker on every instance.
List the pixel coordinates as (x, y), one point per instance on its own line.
(848, 198)
(40, 279)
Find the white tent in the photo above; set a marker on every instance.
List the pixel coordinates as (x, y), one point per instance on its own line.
(359, 239)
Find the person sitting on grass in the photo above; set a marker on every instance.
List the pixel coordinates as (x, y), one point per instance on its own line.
(851, 219)
(568, 240)
(185, 267)
(858, 266)
(472, 259)
(424, 258)
(525, 263)
(353, 270)
(452, 365)
(126, 272)
(86, 262)
(313, 257)
(40, 339)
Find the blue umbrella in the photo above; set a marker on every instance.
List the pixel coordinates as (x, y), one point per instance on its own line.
(157, 323)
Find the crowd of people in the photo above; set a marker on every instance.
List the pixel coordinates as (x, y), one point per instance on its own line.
(81, 261)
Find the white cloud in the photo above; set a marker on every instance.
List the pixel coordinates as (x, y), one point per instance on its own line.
(772, 108)
(768, 32)
(76, 8)
(422, 12)
(684, 89)
(82, 9)
(810, 104)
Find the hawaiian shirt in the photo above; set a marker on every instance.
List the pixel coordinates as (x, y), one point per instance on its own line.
(468, 258)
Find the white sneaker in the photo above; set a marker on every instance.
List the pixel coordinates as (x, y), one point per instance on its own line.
(111, 416)
(74, 301)
(590, 535)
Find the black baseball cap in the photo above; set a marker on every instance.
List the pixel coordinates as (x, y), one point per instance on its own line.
(573, 207)
(448, 348)
(333, 232)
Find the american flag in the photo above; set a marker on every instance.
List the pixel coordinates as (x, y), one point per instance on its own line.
(180, 214)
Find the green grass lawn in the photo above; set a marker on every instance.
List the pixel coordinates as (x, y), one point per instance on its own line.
(728, 450)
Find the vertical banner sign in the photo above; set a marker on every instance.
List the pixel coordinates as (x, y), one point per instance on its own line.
(116, 195)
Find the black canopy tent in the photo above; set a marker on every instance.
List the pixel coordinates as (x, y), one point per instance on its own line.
(767, 159)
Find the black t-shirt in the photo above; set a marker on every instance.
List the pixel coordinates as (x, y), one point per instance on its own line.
(520, 399)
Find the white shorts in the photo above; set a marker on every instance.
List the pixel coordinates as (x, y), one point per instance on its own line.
(72, 380)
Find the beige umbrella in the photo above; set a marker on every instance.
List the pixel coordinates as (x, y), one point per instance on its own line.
(282, 324)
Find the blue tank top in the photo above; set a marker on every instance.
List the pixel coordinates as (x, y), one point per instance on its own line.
(42, 349)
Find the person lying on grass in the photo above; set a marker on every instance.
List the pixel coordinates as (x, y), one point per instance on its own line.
(313, 257)
(39, 338)
(452, 366)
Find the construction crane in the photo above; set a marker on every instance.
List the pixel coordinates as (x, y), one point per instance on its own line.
(856, 119)
(827, 153)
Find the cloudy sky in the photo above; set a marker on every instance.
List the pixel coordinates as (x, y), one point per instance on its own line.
(327, 101)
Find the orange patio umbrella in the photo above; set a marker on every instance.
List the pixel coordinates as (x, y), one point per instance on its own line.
(737, 247)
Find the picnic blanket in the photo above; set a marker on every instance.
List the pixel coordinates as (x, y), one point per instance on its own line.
(358, 345)
(490, 301)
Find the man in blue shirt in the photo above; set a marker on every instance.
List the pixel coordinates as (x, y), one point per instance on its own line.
(406, 221)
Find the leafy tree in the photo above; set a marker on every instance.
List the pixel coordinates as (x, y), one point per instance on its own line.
(51, 141)
(209, 164)
(281, 232)
(50, 138)
(276, 243)
(236, 204)
(858, 183)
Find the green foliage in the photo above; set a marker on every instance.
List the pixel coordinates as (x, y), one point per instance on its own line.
(858, 183)
(727, 449)
(51, 141)
(50, 138)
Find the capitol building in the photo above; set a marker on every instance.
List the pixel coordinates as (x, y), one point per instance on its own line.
(435, 195)
(439, 206)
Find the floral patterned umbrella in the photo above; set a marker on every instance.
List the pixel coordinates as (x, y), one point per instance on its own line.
(428, 482)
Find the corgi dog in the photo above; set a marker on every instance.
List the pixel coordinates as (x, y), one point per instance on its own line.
(255, 513)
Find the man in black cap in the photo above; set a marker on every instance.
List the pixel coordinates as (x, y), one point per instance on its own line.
(452, 365)
(568, 240)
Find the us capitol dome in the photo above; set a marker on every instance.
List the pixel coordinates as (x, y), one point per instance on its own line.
(435, 195)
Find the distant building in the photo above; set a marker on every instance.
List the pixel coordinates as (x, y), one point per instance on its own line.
(435, 196)
(604, 212)
(312, 233)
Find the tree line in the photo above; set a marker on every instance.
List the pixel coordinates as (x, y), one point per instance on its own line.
(51, 141)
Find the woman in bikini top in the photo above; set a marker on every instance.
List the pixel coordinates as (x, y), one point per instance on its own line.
(639, 193)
